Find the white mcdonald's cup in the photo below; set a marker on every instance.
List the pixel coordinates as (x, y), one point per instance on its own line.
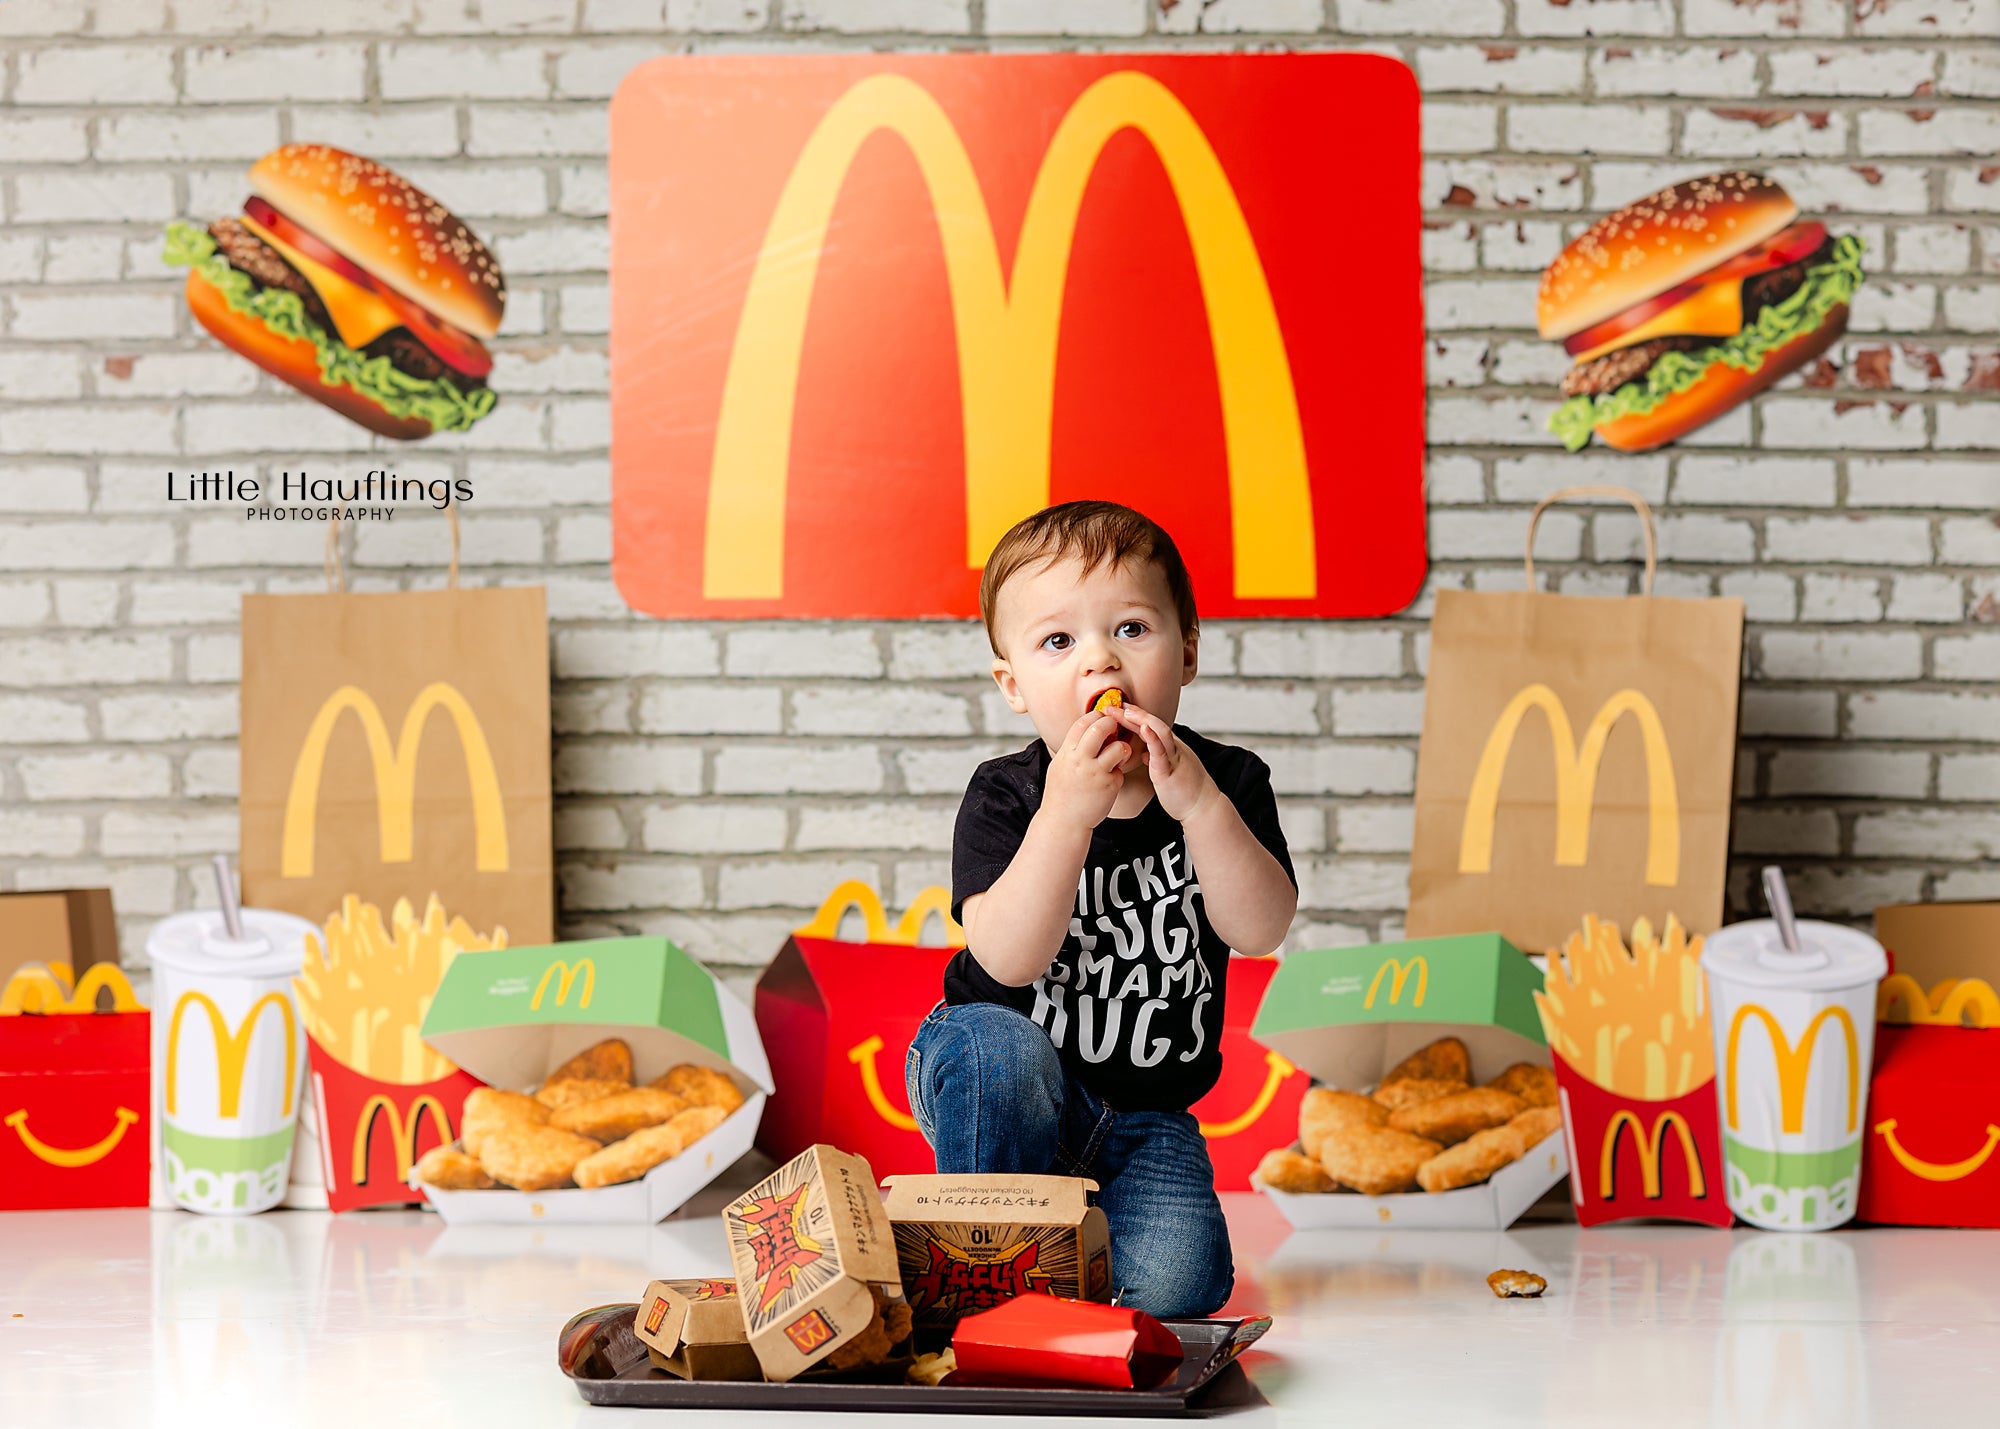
(1794, 1036)
(229, 1058)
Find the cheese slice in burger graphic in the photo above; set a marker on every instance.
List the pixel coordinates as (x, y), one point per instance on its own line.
(1677, 307)
(355, 286)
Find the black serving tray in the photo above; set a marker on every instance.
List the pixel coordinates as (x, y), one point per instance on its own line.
(608, 1365)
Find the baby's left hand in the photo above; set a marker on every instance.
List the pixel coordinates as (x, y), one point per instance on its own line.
(1177, 776)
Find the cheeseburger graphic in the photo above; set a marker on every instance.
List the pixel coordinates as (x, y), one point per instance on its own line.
(355, 286)
(1693, 299)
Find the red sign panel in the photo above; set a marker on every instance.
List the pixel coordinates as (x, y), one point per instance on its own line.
(869, 311)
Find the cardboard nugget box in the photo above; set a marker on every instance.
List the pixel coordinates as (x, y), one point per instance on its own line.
(968, 1243)
(812, 1247)
(1347, 1015)
(694, 1329)
(510, 1016)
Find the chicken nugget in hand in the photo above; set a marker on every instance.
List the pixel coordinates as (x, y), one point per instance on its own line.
(535, 1158)
(1326, 1108)
(488, 1109)
(700, 1086)
(1375, 1160)
(449, 1169)
(1537, 1123)
(1443, 1060)
(617, 1116)
(1449, 1120)
(1409, 1091)
(1285, 1170)
(1532, 1084)
(568, 1091)
(606, 1061)
(1472, 1160)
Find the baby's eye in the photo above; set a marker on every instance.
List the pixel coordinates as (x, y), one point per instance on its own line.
(1132, 629)
(1057, 641)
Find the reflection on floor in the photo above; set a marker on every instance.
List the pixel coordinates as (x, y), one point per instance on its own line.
(117, 1318)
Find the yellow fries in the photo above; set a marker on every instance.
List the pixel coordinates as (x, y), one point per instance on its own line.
(365, 996)
(1634, 1022)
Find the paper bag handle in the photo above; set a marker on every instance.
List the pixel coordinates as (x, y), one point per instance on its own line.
(336, 573)
(1620, 493)
(856, 894)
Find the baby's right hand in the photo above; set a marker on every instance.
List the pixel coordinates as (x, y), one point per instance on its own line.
(1087, 772)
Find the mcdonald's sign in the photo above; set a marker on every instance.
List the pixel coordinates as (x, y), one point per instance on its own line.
(1191, 283)
(1631, 1133)
(402, 1133)
(1792, 1065)
(562, 976)
(1398, 974)
(232, 1050)
(1650, 1147)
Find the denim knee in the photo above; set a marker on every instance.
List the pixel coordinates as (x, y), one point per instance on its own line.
(986, 1088)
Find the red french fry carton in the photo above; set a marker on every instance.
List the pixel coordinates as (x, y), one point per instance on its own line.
(383, 1096)
(837, 1019)
(1632, 1159)
(1934, 1093)
(75, 1093)
(1043, 1340)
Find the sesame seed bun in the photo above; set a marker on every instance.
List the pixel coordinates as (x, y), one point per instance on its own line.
(1663, 240)
(1719, 389)
(385, 224)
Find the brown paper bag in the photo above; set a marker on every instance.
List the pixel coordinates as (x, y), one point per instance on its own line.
(397, 745)
(1578, 756)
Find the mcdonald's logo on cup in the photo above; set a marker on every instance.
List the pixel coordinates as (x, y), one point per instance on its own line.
(562, 977)
(232, 1051)
(1576, 782)
(395, 768)
(1070, 269)
(1398, 974)
(1791, 1064)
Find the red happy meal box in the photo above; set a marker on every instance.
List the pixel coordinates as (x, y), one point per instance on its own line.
(75, 1093)
(1934, 1094)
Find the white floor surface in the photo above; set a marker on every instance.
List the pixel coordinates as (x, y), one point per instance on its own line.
(134, 1318)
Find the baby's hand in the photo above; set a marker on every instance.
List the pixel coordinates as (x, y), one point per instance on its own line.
(1179, 781)
(1086, 773)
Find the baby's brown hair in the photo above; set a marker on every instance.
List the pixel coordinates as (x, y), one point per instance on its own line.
(1091, 531)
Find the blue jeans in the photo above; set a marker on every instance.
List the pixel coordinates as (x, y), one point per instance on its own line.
(991, 1095)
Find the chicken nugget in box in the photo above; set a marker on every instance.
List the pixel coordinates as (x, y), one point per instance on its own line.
(968, 1243)
(693, 1329)
(815, 1261)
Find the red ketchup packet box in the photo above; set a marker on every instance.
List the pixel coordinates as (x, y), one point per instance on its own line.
(1044, 1340)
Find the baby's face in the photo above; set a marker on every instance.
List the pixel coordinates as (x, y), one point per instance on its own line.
(1066, 637)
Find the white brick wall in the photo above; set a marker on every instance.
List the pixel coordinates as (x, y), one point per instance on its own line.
(714, 779)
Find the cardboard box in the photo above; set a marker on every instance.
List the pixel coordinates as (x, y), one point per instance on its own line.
(1043, 1340)
(512, 1015)
(1347, 1015)
(693, 1329)
(1927, 1159)
(811, 1245)
(76, 1093)
(73, 927)
(968, 1243)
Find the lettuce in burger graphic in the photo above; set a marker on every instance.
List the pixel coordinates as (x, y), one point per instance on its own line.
(1691, 300)
(353, 285)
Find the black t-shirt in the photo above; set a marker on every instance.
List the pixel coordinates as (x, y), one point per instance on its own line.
(1133, 1002)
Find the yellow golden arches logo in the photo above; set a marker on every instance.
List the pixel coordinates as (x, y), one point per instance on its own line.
(1970, 1002)
(1931, 1170)
(232, 1049)
(82, 1155)
(35, 989)
(1007, 332)
(1650, 1147)
(395, 777)
(1398, 973)
(1793, 1064)
(1576, 782)
(403, 1134)
(564, 976)
(854, 893)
